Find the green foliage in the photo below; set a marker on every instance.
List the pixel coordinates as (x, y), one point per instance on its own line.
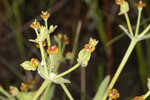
(102, 88)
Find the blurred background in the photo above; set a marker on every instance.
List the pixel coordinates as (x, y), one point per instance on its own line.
(80, 20)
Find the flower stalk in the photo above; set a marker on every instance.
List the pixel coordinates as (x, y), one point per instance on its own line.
(67, 72)
(121, 66)
(138, 21)
(67, 91)
(146, 95)
(41, 89)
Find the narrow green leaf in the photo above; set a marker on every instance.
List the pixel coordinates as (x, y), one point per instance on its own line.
(102, 89)
(58, 80)
(49, 92)
(42, 72)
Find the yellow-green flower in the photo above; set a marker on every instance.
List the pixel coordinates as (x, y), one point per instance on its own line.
(45, 15)
(24, 87)
(140, 4)
(35, 24)
(113, 94)
(89, 48)
(34, 62)
(52, 50)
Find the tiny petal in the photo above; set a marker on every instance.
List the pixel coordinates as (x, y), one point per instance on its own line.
(52, 49)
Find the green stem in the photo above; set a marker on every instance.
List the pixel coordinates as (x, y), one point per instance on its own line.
(146, 95)
(138, 21)
(43, 86)
(43, 57)
(37, 34)
(67, 91)
(66, 72)
(128, 23)
(145, 31)
(121, 66)
(5, 92)
(48, 37)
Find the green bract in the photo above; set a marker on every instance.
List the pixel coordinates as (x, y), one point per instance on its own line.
(28, 66)
(50, 77)
(58, 80)
(84, 57)
(25, 95)
(124, 8)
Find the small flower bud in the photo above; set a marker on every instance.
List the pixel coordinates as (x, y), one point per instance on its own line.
(113, 94)
(69, 55)
(52, 50)
(35, 24)
(24, 87)
(65, 39)
(89, 48)
(124, 8)
(138, 98)
(45, 15)
(119, 2)
(13, 90)
(93, 42)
